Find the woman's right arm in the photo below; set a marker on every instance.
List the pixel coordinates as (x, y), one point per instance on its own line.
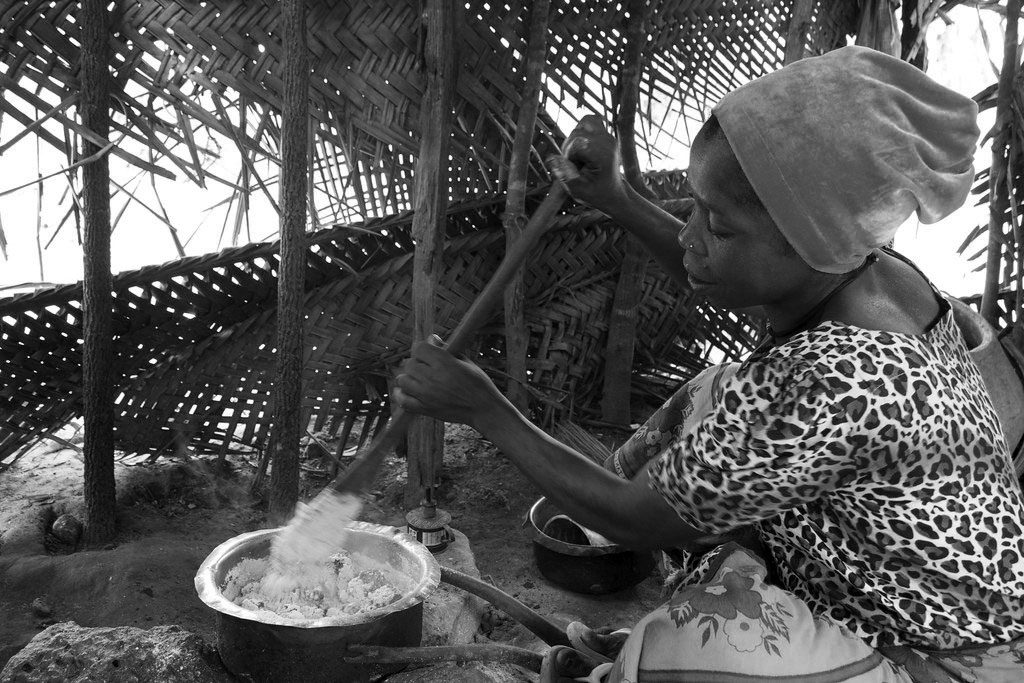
(627, 511)
(595, 179)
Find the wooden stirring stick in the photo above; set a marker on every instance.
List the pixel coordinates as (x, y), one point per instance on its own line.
(320, 523)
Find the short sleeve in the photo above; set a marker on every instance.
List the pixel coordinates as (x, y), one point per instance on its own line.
(671, 421)
(779, 437)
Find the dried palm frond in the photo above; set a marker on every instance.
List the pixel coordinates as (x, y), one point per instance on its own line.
(186, 70)
(578, 438)
(999, 242)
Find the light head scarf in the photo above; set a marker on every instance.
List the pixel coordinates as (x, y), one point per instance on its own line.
(844, 147)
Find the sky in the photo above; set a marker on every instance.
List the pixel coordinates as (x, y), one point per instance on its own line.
(957, 58)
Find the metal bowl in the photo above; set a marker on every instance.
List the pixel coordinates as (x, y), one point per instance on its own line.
(585, 568)
(260, 647)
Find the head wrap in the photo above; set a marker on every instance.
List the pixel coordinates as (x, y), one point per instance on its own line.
(844, 147)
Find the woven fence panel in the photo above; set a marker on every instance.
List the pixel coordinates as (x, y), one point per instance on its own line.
(359, 329)
(195, 337)
(162, 313)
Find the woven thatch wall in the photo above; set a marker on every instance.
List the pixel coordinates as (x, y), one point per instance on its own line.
(195, 337)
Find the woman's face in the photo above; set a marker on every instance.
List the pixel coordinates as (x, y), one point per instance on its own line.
(735, 255)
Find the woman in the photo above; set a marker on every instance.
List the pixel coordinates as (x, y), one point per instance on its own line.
(859, 440)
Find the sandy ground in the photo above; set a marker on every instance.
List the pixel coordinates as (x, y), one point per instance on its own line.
(171, 514)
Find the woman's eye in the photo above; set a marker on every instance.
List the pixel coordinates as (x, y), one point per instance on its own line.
(717, 231)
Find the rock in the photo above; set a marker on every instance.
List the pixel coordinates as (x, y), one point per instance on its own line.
(69, 652)
(23, 530)
(67, 529)
(40, 608)
(452, 616)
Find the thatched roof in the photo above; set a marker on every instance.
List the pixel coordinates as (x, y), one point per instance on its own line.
(184, 68)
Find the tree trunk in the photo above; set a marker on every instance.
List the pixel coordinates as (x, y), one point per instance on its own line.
(796, 33)
(284, 475)
(426, 436)
(516, 337)
(618, 370)
(97, 359)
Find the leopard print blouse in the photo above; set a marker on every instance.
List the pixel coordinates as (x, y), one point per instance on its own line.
(875, 469)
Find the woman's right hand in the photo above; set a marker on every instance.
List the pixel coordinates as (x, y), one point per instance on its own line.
(435, 383)
(592, 174)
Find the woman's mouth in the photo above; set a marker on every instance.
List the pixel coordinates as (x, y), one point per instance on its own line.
(696, 282)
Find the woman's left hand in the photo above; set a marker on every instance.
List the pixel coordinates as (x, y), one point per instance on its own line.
(590, 167)
(435, 383)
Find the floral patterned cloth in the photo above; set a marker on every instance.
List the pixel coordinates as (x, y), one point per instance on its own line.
(735, 627)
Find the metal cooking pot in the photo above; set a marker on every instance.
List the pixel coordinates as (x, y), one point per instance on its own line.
(585, 568)
(272, 648)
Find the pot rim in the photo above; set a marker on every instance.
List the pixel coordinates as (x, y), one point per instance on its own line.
(210, 592)
(562, 547)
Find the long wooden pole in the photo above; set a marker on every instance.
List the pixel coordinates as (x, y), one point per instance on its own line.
(361, 472)
(426, 436)
(796, 33)
(622, 322)
(97, 300)
(291, 285)
(516, 337)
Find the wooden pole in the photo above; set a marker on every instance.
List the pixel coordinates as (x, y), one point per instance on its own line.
(796, 34)
(288, 430)
(426, 436)
(998, 196)
(622, 323)
(516, 336)
(97, 301)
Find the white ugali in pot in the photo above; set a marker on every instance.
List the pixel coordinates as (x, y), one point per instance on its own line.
(260, 647)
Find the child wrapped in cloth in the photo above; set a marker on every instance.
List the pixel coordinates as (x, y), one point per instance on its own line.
(858, 441)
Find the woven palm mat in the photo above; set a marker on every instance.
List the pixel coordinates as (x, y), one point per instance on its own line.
(195, 337)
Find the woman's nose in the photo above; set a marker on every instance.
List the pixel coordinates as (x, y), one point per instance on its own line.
(686, 236)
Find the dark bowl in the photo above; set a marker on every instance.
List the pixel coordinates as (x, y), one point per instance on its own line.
(585, 568)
